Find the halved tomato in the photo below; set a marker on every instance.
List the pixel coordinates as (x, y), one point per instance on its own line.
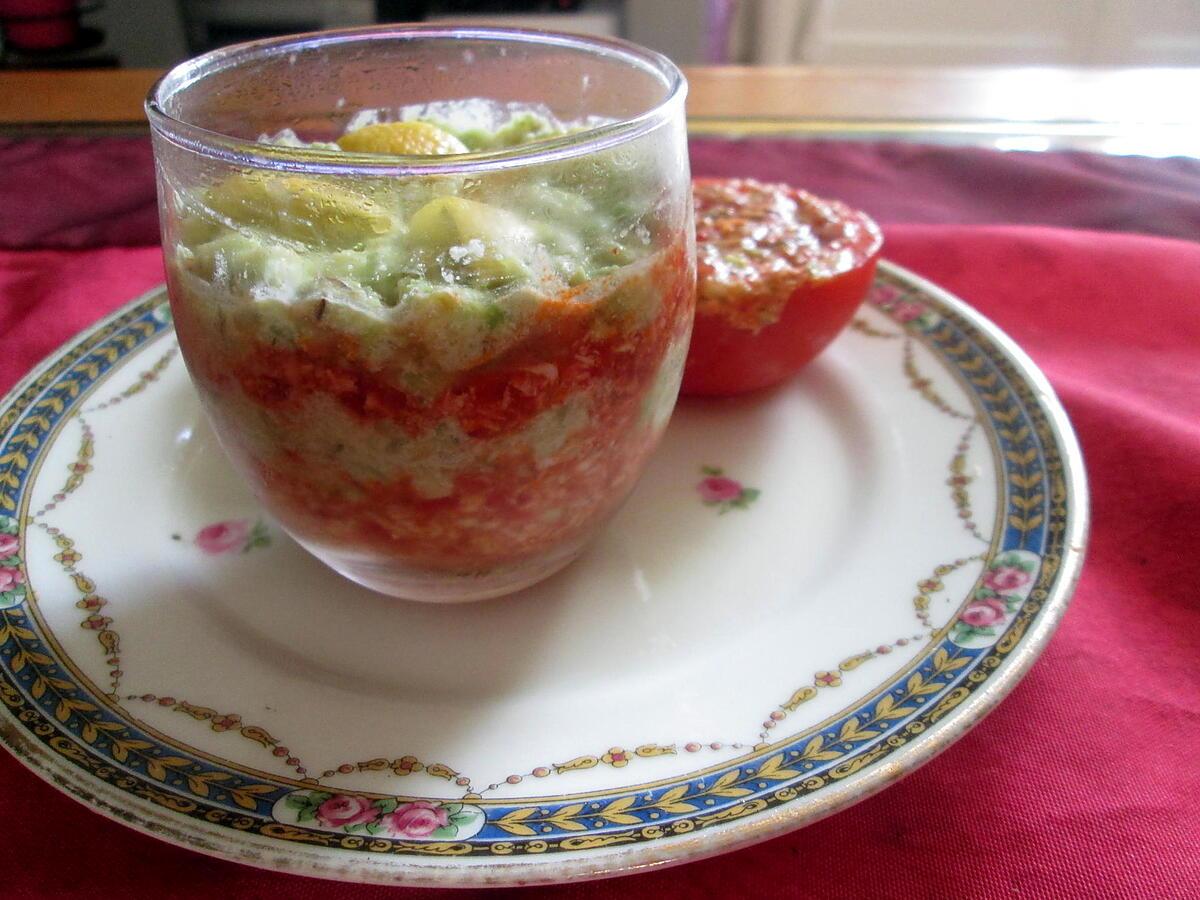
(780, 273)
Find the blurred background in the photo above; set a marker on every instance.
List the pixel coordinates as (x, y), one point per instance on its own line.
(156, 33)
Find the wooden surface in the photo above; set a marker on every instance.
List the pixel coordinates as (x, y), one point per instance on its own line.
(817, 97)
(108, 96)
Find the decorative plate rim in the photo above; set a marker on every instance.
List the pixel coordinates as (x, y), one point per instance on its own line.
(269, 853)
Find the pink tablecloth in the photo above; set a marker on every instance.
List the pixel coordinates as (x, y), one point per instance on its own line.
(1082, 784)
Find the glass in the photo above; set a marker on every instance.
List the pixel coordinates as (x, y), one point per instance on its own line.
(441, 374)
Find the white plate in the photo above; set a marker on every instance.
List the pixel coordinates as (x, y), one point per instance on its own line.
(811, 592)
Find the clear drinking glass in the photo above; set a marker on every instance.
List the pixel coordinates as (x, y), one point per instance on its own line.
(441, 374)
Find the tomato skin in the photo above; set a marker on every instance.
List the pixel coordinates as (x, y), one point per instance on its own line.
(724, 360)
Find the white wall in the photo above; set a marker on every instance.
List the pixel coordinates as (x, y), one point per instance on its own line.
(1012, 32)
(932, 32)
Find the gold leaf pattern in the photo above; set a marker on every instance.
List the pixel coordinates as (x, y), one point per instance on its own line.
(723, 786)
(68, 749)
(886, 709)
(774, 770)
(244, 795)
(565, 818)
(850, 766)
(200, 713)
(513, 822)
(590, 842)
(924, 386)
(736, 811)
(861, 325)
(579, 762)
(1023, 458)
(258, 735)
(647, 750)
(291, 833)
(802, 695)
(853, 730)
(813, 751)
(854, 662)
(440, 770)
(948, 703)
(1014, 635)
(944, 662)
(616, 814)
(433, 848)
(671, 801)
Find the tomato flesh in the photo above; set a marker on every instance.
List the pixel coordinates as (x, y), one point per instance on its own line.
(781, 273)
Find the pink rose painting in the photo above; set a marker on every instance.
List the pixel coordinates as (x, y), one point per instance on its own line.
(385, 816)
(717, 489)
(1003, 579)
(997, 598)
(342, 810)
(906, 311)
(232, 536)
(984, 613)
(882, 294)
(222, 537)
(417, 819)
(10, 578)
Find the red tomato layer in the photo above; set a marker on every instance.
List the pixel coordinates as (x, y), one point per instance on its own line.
(509, 505)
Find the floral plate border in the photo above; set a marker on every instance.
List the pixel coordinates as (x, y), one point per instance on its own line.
(77, 742)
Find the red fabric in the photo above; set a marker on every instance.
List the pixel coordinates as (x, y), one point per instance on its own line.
(99, 192)
(76, 192)
(938, 184)
(1081, 784)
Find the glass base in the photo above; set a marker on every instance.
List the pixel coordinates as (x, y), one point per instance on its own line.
(397, 579)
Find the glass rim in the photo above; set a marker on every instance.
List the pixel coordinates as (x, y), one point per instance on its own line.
(251, 153)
